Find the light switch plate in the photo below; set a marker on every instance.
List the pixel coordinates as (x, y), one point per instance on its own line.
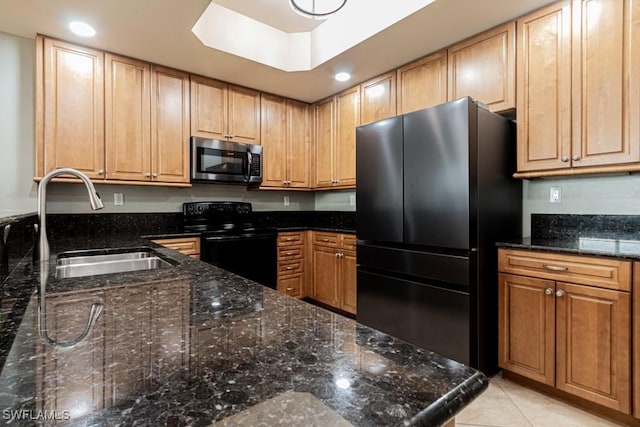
(352, 200)
(118, 199)
(555, 195)
(287, 201)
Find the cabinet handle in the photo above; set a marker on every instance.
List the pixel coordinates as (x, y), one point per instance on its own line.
(289, 253)
(231, 136)
(101, 172)
(559, 293)
(325, 240)
(554, 267)
(291, 289)
(289, 239)
(148, 174)
(576, 158)
(337, 255)
(289, 268)
(548, 291)
(565, 159)
(155, 175)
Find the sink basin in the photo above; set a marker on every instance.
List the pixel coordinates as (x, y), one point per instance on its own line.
(92, 263)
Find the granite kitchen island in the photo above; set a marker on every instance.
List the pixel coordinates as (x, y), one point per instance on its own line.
(193, 344)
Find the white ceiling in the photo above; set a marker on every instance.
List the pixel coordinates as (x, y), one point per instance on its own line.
(159, 31)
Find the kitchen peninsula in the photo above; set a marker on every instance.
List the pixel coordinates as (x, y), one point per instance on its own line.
(193, 344)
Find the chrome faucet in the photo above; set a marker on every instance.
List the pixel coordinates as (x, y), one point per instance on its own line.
(43, 247)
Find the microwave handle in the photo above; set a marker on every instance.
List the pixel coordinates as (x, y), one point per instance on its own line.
(249, 161)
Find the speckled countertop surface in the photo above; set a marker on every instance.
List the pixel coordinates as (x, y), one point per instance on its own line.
(600, 246)
(194, 344)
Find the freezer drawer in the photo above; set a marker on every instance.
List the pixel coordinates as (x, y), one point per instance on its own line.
(434, 318)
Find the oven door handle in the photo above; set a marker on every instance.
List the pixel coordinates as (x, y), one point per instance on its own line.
(238, 237)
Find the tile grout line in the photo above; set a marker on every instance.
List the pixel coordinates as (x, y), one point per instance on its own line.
(514, 403)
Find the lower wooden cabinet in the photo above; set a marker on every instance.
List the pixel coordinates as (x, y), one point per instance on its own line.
(291, 260)
(575, 336)
(334, 270)
(185, 245)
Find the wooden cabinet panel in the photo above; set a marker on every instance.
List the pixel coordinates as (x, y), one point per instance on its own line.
(291, 238)
(527, 327)
(605, 82)
(378, 98)
(326, 239)
(484, 68)
(208, 108)
(422, 83)
(348, 294)
(347, 119)
(298, 148)
(289, 253)
(244, 115)
(593, 336)
(325, 275)
(635, 340)
(73, 126)
(127, 118)
(170, 125)
(291, 263)
(291, 285)
(273, 111)
(324, 142)
(544, 88)
(186, 246)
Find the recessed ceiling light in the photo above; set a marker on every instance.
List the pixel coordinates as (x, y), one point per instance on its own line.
(82, 29)
(342, 77)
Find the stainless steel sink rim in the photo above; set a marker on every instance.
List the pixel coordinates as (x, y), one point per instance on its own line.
(84, 264)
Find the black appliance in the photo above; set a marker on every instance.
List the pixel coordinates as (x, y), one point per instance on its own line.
(230, 241)
(434, 194)
(213, 160)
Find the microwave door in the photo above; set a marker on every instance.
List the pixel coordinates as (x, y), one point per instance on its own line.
(248, 166)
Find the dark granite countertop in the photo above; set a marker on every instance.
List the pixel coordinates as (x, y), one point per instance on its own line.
(600, 246)
(194, 344)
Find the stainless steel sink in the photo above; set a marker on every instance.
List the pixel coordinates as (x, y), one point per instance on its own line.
(92, 263)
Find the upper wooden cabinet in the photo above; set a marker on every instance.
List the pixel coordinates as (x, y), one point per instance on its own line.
(223, 111)
(336, 119)
(117, 119)
(378, 98)
(422, 83)
(483, 67)
(578, 88)
(69, 108)
(284, 132)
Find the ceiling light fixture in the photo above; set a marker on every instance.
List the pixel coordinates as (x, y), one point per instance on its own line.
(317, 9)
(342, 77)
(81, 29)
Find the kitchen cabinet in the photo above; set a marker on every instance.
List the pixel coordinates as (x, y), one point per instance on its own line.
(334, 270)
(285, 140)
(483, 67)
(119, 120)
(590, 107)
(291, 263)
(336, 119)
(378, 98)
(636, 342)
(189, 246)
(422, 83)
(565, 321)
(223, 111)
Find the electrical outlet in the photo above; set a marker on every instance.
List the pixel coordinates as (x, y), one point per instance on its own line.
(352, 200)
(555, 195)
(118, 199)
(287, 201)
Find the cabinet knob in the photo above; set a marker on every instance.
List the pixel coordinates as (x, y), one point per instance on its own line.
(548, 291)
(148, 174)
(230, 135)
(337, 255)
(559, 293)
(565, 159)
(101, 172)
(155, 175)
(576, 157)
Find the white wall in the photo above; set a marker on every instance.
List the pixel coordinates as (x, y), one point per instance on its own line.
(17, 147)
(341, 200)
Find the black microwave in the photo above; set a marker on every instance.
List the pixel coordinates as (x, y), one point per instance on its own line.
(213, 160)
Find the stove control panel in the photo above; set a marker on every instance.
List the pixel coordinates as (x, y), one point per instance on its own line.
(195, 211)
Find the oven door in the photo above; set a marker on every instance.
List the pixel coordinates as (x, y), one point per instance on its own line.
(223, 161)
(251, 255)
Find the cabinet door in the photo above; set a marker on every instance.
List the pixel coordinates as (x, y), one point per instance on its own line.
(170, 125)
(73, 126)
(273, 129)
(636, 341)
(324, 146)
(606, 65)
(593, 344)
(291, 285)
(484, 68)
(127, 117)
(527, 327)
(348, 292)
(378, 98)
(244, 115)
(325, 275)
(423, 83)
(208, 108)
(347, 118)
(544, 88)
(298, 144)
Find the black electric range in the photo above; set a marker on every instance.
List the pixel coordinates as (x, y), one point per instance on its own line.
(231, 241)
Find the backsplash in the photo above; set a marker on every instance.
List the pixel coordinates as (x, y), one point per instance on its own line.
(21, 237)
(569, 226)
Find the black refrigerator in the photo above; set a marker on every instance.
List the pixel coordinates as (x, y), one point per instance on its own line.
(434, 193)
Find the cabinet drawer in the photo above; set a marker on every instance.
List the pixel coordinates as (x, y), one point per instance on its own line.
(587, 270)
(326, 239)
(187, 246)
(290, 267)
(348, 241)
(288, 253)
(291, 285)
(291, 238)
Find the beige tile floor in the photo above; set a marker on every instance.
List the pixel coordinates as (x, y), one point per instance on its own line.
(506, 404)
